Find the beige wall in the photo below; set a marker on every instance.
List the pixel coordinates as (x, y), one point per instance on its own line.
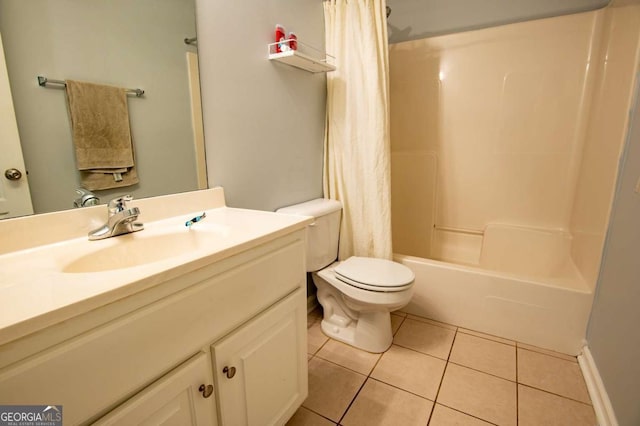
(613, 328)
(122, 43)
(264, 122)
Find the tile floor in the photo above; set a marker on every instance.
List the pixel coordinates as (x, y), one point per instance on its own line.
(437, 374)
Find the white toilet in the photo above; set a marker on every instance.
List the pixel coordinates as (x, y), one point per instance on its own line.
(357, 294)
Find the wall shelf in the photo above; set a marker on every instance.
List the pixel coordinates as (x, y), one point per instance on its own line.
(305, 57)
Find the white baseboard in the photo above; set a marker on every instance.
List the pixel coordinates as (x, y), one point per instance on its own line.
(599, 397)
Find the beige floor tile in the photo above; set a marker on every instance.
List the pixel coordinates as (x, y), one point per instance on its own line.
(315, 338)
(445, 416)
(552, 374)
(425, 338)
(548, 352)
(314, 317)
(536, 408)
(433, 322)
(331, 388)
(379, 404)
(396, 321)
(410, 370)
(348, 356)
(484, 355)
(487, 336)
(316, 312)
(305, 417)
(478, 394)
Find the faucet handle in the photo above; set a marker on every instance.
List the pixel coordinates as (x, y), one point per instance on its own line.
(119, 204)
(86, 198)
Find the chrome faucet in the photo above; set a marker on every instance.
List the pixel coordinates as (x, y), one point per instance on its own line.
(122, 220)
(86, 198)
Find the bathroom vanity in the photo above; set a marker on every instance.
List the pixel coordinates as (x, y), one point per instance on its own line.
(207, 327)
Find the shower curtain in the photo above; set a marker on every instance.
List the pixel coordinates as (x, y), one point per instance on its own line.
(357, 147)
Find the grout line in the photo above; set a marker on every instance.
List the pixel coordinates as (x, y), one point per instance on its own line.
(556, 394)
(415, 350)
(512, 345)
(342, 366)
(483, 372)
(547, 354)
(354, 397)
(315, 412)
(378, 361)
(321, 346)
(350, 369)
(444, 372)
(438, 392)
(467, 414)
(453, 342)
(550, 352)
(434, 323)
(400, 389)
(353, 400)
(397, 387)
(396, 332)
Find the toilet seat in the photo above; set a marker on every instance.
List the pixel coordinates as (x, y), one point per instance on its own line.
(379, 275)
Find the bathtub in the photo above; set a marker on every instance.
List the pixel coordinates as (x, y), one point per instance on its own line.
(529, 291)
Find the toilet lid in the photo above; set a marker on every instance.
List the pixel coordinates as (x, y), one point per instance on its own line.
(374, 274)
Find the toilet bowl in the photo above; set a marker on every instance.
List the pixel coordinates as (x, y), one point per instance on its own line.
(357, 294)
(356, 307)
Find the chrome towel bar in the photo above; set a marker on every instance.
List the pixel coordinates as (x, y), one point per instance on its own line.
(43, 81)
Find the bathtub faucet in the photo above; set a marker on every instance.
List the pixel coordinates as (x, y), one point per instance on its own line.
(122, 220)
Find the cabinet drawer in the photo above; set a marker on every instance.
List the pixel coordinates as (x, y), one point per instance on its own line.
(93, 372)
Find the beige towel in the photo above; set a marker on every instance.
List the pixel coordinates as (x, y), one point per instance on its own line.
(101, 135)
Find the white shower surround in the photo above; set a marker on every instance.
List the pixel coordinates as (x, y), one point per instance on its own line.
(519, 246)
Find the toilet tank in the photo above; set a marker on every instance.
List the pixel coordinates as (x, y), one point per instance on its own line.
(323, 233)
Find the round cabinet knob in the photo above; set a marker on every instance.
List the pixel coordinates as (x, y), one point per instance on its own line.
(229, 371)
(206, 390)
(13, 174)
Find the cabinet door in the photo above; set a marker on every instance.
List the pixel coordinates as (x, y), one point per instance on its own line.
(175, 399)
(261, 370)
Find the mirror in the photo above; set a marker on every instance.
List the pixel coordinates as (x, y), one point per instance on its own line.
(124, 43)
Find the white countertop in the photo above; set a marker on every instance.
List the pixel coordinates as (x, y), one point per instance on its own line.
(35, 292)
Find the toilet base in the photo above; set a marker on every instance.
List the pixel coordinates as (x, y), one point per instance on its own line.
(366, 326)
(358, 317)
(370, 332)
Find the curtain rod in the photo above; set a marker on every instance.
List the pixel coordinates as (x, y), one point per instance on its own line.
(43, 81)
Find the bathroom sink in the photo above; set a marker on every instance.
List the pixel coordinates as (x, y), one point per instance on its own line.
(142, 248)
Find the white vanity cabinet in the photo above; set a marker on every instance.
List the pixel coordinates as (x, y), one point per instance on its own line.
(261, 377)
(158, 356)
(184, 396)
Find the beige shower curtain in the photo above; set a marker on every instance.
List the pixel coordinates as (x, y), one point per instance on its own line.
(357, 148)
